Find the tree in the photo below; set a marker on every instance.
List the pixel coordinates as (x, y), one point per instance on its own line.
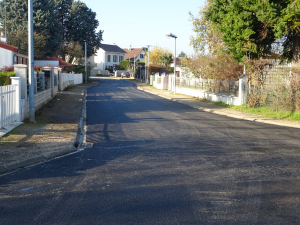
(81, 27)
(182, 54)
(249, 28)
(208, 40)
(44, 23)
(245, 26)
(155, 54)
(74, 50)
(63, 21)
(19, 38)
(166, 59)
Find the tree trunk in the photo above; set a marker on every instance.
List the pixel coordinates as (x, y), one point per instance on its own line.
(296, 51)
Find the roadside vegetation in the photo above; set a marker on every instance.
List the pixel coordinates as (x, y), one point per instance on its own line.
(259, 35)
(5, 75)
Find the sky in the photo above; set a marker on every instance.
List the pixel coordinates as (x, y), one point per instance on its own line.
(139, 23)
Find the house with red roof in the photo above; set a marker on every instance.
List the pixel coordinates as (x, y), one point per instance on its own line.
(10, 55)
(135, 54)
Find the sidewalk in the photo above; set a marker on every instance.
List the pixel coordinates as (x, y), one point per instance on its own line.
(212, 108)
(57, 131)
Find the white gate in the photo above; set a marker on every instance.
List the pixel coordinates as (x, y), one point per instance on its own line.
(8, 109)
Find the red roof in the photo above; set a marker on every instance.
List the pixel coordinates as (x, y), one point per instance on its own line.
(12, 48)
(133, 52)
(61, 62)
(8, 47)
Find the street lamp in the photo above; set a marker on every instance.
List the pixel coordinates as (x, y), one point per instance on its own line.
(85, 53)
(170, 35)
(147, 77)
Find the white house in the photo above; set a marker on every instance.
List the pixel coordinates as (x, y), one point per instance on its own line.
(108, 56)
(10, 55)
(135, 54)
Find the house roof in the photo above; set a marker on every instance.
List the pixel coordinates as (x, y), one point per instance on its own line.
(133, 51)
(61, 62)
(112, 48)
(12, 48)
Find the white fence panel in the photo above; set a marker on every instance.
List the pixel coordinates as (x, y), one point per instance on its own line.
(78, 79)
(7, 104)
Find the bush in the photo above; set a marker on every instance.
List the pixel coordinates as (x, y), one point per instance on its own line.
(123, 65)
(154, 69)
(5, 77)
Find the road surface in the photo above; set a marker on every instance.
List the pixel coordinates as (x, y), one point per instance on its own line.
(155, 161)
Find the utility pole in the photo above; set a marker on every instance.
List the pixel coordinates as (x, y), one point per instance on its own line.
(134, 65)
(85, 53)
(147, 77)
(31, 62)
(5, 22)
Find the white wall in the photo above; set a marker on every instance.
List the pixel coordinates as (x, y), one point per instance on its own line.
(6, 58)
(101, 58)
(111, 63)
(141, 59)
(46, 63)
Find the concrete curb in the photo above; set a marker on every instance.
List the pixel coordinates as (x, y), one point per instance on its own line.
(237, 116)
(36, 159)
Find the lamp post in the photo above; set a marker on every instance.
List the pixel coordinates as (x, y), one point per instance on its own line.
(147, 77)
(85, 53)
(31, 62)
(170, 35)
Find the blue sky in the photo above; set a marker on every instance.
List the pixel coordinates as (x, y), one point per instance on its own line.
(141, 23)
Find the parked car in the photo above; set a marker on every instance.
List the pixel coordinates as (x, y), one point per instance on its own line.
(126, 75)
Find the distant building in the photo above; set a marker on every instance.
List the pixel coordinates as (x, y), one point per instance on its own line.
(108, 56)
(135, 54)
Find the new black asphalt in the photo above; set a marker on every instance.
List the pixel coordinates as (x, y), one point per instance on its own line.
(155, 161)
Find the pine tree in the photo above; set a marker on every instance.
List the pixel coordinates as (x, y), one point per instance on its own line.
(81, 26)
(44, 23)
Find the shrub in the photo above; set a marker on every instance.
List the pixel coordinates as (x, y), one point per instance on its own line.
(5, 77)
(154, 69)
(8, 68)
(123, 65)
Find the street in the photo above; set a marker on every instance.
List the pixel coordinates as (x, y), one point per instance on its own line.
(156, 161)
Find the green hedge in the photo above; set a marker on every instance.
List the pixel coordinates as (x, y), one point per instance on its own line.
(5, 78)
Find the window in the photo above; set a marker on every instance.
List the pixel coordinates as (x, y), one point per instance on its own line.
(120, 58)
(115, 58)
(141, 56)
(108, 58)
(15, 60)
(21, 60)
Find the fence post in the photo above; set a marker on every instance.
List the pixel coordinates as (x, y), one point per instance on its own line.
(35, 82)
(21, 71)
(16, 81)
(51, 79)
(241, 89)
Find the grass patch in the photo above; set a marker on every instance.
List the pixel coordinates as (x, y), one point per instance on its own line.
(269, 113)
(262, 111)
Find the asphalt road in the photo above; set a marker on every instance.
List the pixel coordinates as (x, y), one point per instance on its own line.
(155, 161)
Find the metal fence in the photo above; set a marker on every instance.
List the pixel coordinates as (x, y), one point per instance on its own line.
(226, 87)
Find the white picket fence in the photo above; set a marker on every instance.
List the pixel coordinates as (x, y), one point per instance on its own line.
(8, 109)
(13, 108)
